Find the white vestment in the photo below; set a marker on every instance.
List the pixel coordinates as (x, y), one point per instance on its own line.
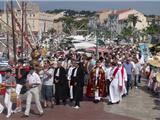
(96, 81)
(115, 95)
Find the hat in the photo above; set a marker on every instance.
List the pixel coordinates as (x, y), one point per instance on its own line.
(158, 77)
(154, 61)
(119, 62)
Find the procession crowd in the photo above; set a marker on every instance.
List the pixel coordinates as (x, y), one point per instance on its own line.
(55, 80)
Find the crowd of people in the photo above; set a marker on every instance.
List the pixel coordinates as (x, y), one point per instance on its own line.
(153, 75)
(52, 81)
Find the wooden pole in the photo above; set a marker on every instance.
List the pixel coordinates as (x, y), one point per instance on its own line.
(22, 28)
(25, 23)
(13, 33)
(7, 31)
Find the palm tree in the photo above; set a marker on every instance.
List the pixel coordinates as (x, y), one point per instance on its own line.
(81, 26)
(70, 25)
(127, 32)
(133, 19)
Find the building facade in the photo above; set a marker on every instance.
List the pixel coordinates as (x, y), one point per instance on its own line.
(116, 20)
(153, 19)
(103, 15)
(36, 21)
(124, 14)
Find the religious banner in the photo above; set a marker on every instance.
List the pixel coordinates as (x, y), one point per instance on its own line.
(143, 47)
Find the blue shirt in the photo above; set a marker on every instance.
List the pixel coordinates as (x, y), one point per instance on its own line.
(128, 68)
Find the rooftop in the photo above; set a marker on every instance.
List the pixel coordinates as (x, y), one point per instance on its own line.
(123, 11)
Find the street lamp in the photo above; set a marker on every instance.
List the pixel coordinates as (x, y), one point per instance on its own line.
(93, 25)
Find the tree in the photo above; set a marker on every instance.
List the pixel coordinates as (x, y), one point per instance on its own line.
(72, 13)
(153, 30)
(133, 19)
(71, 25)
(127, 32)
(82, 26)
(143, 34)
(67, 24)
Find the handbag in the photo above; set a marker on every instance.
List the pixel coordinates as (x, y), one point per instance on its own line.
(13, 96)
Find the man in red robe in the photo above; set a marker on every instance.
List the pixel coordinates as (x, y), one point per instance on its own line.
(96, 84)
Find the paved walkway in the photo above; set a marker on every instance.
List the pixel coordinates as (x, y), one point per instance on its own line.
(139, 105)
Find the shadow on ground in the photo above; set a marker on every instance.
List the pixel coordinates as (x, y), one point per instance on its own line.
(156, 96)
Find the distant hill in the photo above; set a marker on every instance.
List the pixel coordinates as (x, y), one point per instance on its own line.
(70, 12)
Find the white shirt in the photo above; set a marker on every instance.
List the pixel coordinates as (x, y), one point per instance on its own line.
(0, 78)
(33, 78)
(107, 71)
(70, 73)
(142, 60)
(133, 64)
(75, 72)
(103, 66)
(57, 74)
(48, 81)
(137, 68)
(110, 74)
(97, 75)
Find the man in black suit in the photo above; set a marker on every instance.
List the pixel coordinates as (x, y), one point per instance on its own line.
(61, 84)
(77, 78)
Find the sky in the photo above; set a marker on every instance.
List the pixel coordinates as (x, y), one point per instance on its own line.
(145, 6)
(84, 0)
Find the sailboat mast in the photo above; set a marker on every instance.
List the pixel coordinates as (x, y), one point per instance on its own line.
(22, 28)
(7, 30)
(25, 24)
(13, 33)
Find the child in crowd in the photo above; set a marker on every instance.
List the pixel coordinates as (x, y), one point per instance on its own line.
(9, 82)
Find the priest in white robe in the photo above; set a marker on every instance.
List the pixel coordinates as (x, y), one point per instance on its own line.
(117, 85)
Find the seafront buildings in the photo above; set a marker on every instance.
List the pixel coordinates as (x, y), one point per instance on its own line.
(114, 20)
(118, 19)
(37, 21)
